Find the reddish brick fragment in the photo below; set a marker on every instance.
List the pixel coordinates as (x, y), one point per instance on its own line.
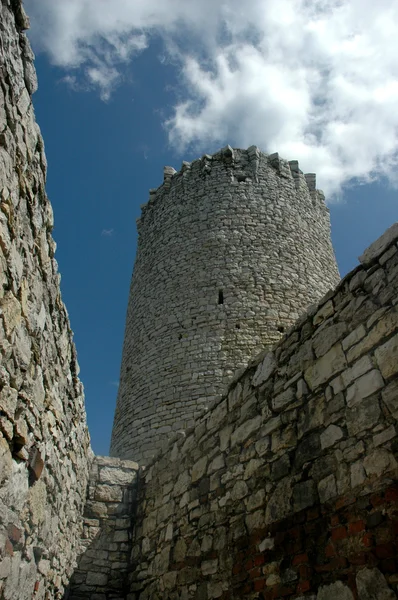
(344, 501)
(388, 565)
(356, 527)
(335, 520)
(367, 540)
(259, 585)
(300, 559)
(303, 586)
(330, 550)
(358, 559)
(259, 560)
(391, 494)
(339, 533)
(14, 533)
(385, 550)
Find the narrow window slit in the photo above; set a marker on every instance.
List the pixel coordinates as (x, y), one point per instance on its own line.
(220, 297)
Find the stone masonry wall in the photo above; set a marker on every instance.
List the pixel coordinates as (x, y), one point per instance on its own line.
(287, 488)
(44, 442)
(231, 250)
(107, 534)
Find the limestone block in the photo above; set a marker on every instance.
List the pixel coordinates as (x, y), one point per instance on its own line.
(264, 369)
(199, 469)
(372, 585)
(335, 591)
(387, 357)
(363, 416)
(327, 488)
(108, 493)
(5, 460)
(278, 505)
(245, 430)
(117, 476)
(383, 328)
(327, 337)
(358, 474)
(325, 367)
(390, 398)
(304, 495)
(380, 245)
(330, 436)
(365, 386)
(378, 462)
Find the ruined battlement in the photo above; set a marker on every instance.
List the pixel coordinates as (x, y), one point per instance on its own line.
(237, 166)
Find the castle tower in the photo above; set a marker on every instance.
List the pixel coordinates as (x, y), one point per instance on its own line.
(231, 250)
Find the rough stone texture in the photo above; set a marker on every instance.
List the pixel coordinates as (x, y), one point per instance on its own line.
(232, 249)
(286, 488)
(44, 442)
(107, 534)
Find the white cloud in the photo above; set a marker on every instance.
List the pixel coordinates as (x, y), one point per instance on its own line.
(315, 80)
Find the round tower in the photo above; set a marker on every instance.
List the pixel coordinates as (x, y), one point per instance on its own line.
(232, 248)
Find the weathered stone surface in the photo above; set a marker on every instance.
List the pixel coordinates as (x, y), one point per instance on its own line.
(330, 436)
(247, 207)
(326, 367)
(335, 591)
(372, 586)
(387, 357)
(264, 369)
(380, 245)
(45, 450)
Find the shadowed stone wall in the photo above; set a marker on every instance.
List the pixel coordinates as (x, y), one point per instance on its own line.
(231, 250)
(107, 533)
(44, 442)
(287, 488)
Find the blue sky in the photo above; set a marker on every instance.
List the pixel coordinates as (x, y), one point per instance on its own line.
(133, 92)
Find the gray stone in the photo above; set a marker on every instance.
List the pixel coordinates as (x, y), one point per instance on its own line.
(304, 495)
(327, 488)
(387, 357)
(330, 436)
(335, 591)
(365, 386)
(363, 416)
(264, 369)
(245, 430)
(372, 586)
(325, 367)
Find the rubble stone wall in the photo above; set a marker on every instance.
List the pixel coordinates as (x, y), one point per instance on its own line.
(107, 533)
(44, 442)
(231, 250)
(287, 488)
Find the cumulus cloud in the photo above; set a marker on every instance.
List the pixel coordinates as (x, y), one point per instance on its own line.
(315, 80)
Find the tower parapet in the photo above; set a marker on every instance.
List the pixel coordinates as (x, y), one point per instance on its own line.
(232, 248)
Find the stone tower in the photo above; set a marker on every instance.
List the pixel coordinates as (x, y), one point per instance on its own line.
(232, 248)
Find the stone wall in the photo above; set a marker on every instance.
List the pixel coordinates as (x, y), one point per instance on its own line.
(232, 249)
(286, 488)
(107, 533)
(44, 442)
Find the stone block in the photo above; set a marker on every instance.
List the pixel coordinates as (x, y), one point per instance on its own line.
(390, 398)
(363, 416)
(387, 357)
(330, 436)
(326, 367)
(245, 430)
(304, 495)
(335, 591)
(371, 585)
(108, 493)
(364, 386)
